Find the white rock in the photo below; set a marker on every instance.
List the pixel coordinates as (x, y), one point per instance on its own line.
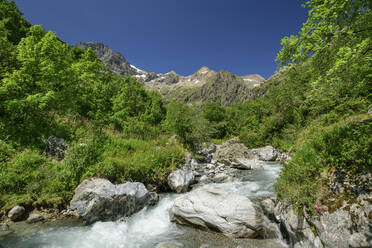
(212, 207)
(180, 180)
(16, 212)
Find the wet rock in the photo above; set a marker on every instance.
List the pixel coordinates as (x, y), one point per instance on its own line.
(204, 179)
(4, 227)
(154, 198)
(55, 147)
(268, 207)
(295, 227)
(98, 199)
(180, 180)
(33, 218)
(16, 213)
(220, 177)
(271, 229)
(267, 153)
(69, 213)
(246, 164)
(171, 244)
(214, 208)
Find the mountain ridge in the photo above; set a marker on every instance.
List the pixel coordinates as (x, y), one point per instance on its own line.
(204, 85)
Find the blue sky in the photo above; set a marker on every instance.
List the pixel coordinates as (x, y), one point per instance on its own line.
(241, 36)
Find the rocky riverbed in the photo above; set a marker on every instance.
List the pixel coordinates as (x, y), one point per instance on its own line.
(150, 227)
(224, 197)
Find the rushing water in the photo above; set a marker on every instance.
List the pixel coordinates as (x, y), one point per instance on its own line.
(147, 228)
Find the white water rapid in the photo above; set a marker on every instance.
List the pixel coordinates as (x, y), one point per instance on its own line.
(147, 228)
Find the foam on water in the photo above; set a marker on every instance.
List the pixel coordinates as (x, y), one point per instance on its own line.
(260, 183)
(144, 229)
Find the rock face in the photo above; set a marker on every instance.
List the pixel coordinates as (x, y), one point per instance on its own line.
(295, 227)
(180, 180)
(212, 207)
(33, 218)
(348, 226)
(16, 213)
(98, 199)
(205, 85)
(114, 60)
(55, 147)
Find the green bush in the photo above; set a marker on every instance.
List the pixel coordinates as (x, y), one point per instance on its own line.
(22, 174)
(29, 178)
(188, 124)
(347, 146)
(6, 152)
(83, 154)
(137, 160)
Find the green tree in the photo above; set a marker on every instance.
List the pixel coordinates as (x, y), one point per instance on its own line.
(44, 82)
(8, 61)
(131, 101)
(188, 124)
(12, 20)
(326, 19)
(216, 115)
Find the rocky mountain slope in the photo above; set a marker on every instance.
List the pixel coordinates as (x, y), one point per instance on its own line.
(205, 85)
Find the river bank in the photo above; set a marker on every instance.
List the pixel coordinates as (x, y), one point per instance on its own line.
(229, 174)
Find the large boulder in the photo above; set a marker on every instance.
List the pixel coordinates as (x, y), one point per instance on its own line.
(214, 208)
(16, 212)
(180, 180)
(233, 153)
(55, 147)
(98, 199)
(267, 153)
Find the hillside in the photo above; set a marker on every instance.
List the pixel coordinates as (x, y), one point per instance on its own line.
(203, 86)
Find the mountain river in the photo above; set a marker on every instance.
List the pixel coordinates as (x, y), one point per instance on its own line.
(150, 227)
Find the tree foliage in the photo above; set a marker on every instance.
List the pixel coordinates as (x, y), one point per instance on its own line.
(12, 23)
(327, 18)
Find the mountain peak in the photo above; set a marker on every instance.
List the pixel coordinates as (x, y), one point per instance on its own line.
(110, 58)
(253, 80)
(203, 70)
(204, 85)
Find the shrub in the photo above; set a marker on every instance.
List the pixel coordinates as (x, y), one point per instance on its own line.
(6, 151)
(137, 160)
(342, 145)
(189, 125)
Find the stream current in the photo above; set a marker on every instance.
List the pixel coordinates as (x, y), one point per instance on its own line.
(149, 227)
